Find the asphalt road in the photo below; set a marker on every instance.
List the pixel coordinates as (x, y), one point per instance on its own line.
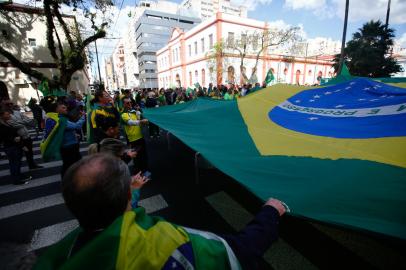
(34, 216)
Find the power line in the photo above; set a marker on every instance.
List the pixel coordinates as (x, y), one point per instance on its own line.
(115, 23)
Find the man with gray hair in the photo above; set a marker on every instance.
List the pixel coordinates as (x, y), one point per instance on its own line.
(97, 190)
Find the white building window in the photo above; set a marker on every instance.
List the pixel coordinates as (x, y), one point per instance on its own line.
(202, 42)
(190, 50)
(195, 47)
(230, 39)
(32, 42)
(211, 41)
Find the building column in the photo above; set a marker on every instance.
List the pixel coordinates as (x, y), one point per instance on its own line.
(264, 55)
(183, 60)
(219, 58)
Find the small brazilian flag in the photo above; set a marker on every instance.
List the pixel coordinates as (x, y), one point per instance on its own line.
(269, 77)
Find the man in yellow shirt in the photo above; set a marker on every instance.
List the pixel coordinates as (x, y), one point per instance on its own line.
(132, 125)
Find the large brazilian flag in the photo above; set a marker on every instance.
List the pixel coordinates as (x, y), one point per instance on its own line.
(335, 154)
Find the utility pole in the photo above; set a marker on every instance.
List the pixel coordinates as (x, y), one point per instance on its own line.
(97, 58)
(340, 67)
(387, 16)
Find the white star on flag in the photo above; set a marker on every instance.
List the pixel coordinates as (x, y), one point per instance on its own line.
(367, 88)
(311, 100)
(327, 93)
(297, 101)
(361, 99)
(348, 87)
(375, 99)
(351, 83)
(316, 96)
(377, 85)
(337, 90)
(384, 96)
(390, 96)
(339, 106)
(313, 118)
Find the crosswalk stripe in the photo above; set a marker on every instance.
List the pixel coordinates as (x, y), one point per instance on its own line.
(37, 147)
(38, 156)
(237, 216)
(51, 234)
(30, 205)
(26, 169)
(368, 252)
(35, 183)
(153, 203)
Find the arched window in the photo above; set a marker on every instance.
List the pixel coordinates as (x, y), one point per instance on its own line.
(190, 78)
(177, 77)
(196, 76)
(203, 77)
(285, 71)
(297, 77)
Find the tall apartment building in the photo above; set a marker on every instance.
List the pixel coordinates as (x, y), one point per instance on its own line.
(205, 9)
(129, 39)
(120, 74)
(109, 80)
(153, 30)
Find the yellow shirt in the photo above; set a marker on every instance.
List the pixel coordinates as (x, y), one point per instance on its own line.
(133, 132)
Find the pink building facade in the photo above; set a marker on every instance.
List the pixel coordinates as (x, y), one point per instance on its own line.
(188, 57)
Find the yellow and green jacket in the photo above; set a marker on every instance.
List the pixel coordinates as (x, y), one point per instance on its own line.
(98, 111)
(138, 241)
(133, 132)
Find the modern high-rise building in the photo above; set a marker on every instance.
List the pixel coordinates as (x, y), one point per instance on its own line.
(153, 30)
(205, 9)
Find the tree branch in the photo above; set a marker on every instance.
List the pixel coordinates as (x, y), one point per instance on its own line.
(87, 41)
(63, 24)
(50, 29)
(25, 68)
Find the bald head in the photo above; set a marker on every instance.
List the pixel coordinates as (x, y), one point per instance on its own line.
(96, 190)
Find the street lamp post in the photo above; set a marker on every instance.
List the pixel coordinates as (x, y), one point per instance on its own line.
(340, 67)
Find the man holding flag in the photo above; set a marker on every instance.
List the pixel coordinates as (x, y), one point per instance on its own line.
(112, 235)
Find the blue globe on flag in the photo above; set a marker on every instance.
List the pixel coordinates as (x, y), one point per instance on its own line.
(361, 108)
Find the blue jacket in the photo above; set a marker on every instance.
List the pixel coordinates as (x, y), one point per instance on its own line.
(69, 136)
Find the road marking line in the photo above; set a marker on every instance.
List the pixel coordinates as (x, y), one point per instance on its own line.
(34, 183)
(280, 255)
(30, 205)
(51, 234)
(153, 204)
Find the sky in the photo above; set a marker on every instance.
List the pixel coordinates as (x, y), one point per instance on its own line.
(318, 18)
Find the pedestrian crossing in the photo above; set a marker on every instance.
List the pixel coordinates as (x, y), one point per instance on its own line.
(40, 204)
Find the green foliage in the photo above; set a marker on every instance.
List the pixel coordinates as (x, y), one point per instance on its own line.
(368, 53)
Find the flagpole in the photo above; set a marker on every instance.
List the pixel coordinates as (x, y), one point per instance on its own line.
(387, 15)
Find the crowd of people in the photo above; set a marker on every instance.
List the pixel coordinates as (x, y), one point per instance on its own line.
(169, 96)
(102, 192)
(63, 121)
